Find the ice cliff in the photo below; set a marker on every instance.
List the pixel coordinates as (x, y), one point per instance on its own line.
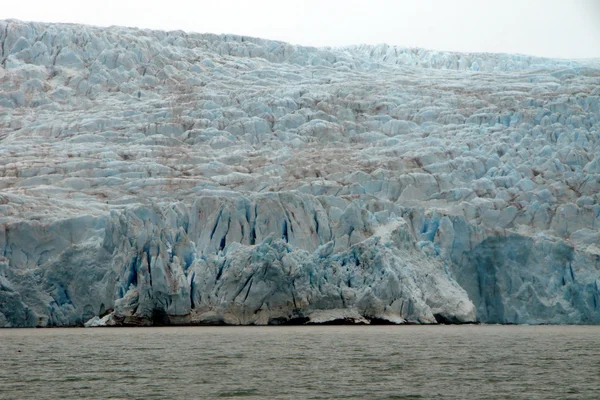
(154, 177)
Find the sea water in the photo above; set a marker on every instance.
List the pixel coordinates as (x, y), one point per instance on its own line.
(302, 362)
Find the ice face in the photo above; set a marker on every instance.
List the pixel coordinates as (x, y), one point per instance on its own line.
(154, 177)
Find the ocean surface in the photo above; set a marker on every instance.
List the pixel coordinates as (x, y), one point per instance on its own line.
(302, 362)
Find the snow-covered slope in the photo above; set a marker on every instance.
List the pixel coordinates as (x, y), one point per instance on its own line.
(166, 177)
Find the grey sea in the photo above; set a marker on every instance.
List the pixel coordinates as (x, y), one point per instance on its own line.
(302, 362)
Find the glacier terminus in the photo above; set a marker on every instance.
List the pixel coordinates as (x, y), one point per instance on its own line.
(173, 178)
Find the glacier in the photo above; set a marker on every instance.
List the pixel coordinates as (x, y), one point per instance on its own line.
(173, 178)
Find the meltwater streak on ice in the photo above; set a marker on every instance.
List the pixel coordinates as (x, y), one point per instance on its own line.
(383, 362)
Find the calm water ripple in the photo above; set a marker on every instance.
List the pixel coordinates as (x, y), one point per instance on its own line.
(302, 362)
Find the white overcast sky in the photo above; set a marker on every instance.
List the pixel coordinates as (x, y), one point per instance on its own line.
(553, 28)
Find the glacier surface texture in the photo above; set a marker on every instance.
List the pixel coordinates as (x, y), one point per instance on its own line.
(154, 177)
